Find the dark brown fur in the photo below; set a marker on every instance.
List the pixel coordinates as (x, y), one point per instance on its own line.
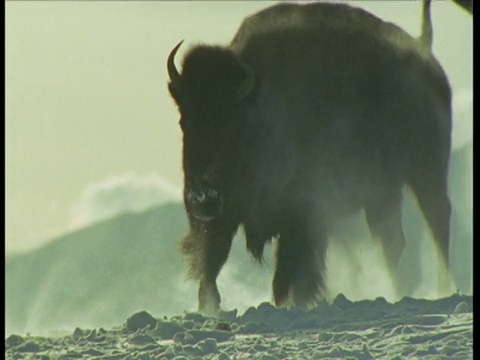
(346, 110)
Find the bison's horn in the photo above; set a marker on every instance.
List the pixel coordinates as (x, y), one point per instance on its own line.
(172, 70)
(247, 85)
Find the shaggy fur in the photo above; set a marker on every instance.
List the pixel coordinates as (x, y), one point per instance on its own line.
(345, 111)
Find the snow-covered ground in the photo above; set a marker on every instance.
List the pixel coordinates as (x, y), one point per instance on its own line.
(369, 329)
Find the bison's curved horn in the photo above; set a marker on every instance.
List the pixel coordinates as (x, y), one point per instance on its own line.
(172, 70)
(247, 85)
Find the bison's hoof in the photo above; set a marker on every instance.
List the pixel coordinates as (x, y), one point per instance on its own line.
(209, 310)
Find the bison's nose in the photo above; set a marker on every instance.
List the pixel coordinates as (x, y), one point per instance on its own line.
(196, 197)
(203, 204)
(201, 196)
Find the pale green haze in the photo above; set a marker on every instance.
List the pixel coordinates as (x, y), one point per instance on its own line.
(86, 96)
(93, 165)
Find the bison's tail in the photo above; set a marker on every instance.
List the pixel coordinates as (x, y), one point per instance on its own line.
(426, 36)
(466, 5)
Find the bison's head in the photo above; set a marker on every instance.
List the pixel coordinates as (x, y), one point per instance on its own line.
(210, 92)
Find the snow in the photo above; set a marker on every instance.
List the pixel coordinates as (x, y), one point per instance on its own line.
(368, 329)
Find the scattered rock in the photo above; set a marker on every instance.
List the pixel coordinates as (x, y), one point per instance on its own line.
(304, 324)
(461, 308)
(255, 328)
(218, 335)
(208, 346)
(14, 340)
(166, 330)
(93, 352)
(189, 324)
(283, 333)
(140, 320)
(229, 315)
(278, 319)
(225, 326)
(260, 347)
(113, 357)
(325, 337)
(183, 338)
(143, 356)
(78, 333)
(222, 356)
(269, 357)
(342, 302)
(259, 314)
(194, 351)
(141, 339)
(92, 335)
(248, 316)
(197, 317)
(29, 346)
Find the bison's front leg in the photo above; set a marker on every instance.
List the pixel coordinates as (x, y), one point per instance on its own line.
(207, 247)
(300, 267)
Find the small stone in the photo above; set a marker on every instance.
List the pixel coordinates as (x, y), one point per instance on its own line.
(189, 324)
(197, 317)
(92, 335)
(266, 307)
(140, 320)
(14, 340)
(29, 346)
(208, 346)
(178, 337)
(255, 328)
(188, 339)
(342, 302)
(141, 339)
(77, 333)
(229, 315)
(324, 337)
(269, 357)
(143, 356)
(218, 335)
(225, 326)
(166, 330)
(93, 352)
(461, 308)
(223, 356)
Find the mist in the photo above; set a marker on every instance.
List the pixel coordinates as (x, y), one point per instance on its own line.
(126, 193)
(94, 170)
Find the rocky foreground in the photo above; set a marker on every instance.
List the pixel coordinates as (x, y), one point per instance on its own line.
(414, 329)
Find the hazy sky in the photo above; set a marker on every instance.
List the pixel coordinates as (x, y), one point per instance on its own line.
(87, 108)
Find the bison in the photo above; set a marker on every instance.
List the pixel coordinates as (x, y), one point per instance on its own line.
(467, 5)
(313, 112)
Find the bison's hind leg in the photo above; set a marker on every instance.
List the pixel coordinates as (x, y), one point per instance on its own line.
(384, 219)
(430, 188)
(300, 266)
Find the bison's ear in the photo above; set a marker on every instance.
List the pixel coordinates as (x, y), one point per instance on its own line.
(248, 82)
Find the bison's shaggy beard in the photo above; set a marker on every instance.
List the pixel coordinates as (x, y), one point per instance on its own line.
(206, 248)
(193, 247)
